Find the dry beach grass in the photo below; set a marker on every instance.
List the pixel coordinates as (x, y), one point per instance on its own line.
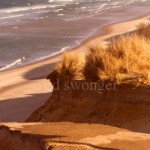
(126, 55)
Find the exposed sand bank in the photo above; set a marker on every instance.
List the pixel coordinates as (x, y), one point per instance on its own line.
(26, 86)
(56, 136)
(120, 106)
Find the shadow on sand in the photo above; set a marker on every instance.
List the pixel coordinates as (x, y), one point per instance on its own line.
(38, 141)
(17, 110)
(39, 72)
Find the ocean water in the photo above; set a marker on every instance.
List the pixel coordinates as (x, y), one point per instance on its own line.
(31, 30)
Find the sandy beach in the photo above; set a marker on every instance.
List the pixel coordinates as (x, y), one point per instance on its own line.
(25, 88)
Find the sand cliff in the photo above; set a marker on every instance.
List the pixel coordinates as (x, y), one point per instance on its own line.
(14, 140)
(118, 107)
(107, 86)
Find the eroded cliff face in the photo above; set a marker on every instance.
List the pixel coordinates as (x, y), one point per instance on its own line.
(117, 105)
(15, 140)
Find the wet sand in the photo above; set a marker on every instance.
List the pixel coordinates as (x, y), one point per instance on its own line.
(25, 88)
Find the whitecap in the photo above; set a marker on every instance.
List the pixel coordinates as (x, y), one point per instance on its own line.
(18, 61)
(12, 16)
(26, 8)
(60, 14)
(54, 54)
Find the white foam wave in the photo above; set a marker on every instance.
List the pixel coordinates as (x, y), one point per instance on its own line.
(56, 53)
(26, 8)
(16, 62)
(41, 11)
(83, 7)
(12, 16)
(20, 61)
(60, 15)
(57, 10)
(51, 1)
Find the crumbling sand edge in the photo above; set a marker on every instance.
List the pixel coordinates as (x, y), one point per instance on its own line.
(12, 139)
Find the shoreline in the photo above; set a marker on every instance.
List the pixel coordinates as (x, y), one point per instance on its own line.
(27, 85)
(101, 31)
(105, 30)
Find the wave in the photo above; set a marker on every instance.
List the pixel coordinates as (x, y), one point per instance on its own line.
(12, 16)
(20, 61)
(54, 54)
(26, 8)
(16, 62)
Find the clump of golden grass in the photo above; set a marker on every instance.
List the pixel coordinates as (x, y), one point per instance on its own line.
(71, 67)
(100, 65)
(127, 55)
(144, 30)
(132, 54)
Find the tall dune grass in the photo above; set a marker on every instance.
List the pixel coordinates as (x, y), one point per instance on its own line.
(70, 68)
(132, 53)
(100, 65)
(144, 30)
(127, 55)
